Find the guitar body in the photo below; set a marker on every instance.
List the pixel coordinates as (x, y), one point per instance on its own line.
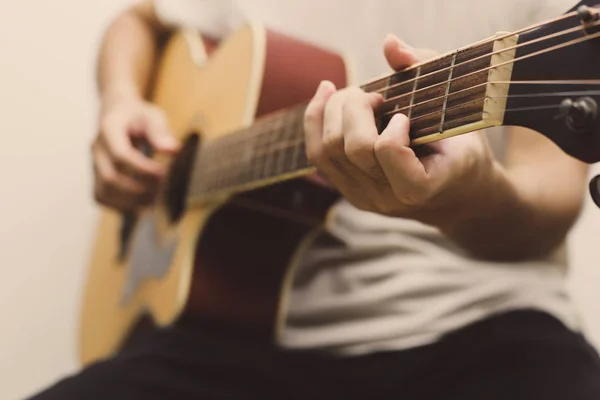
(228, 260)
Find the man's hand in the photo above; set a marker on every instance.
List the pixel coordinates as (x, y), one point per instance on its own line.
(382, 173)
(125, 178)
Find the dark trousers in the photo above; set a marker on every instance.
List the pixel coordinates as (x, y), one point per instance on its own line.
(518, 355)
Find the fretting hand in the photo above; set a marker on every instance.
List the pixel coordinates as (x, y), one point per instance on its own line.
(381, 173)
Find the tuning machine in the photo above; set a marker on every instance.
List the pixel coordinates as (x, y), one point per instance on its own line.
(580, 115)
(595, 189)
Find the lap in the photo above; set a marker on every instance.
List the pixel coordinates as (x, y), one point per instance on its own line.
(517, 355)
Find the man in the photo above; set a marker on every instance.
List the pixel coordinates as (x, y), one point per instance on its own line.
(447, 281)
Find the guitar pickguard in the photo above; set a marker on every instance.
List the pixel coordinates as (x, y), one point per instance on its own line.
(151, 255)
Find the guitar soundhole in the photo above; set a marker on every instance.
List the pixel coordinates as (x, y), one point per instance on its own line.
(127, 224)
(179, 176)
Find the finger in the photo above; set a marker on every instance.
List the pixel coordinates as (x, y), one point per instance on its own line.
(158, 133)
(360, 133)
(333, 136)
(112, 183)
(398, 54)
(125, 156)
(313, 121)
(121, 201)
(404, 170)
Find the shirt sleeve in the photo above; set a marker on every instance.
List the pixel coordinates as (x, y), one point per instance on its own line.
(216, 18)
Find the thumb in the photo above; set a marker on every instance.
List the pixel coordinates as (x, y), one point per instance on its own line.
(398, 54)
(159, 134)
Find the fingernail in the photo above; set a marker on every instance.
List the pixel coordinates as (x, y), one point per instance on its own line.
(398, 119)
(324, 88)
(391, 36)
(402, 45)
(169, 141)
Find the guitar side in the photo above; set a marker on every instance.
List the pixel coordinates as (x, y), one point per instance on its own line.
(212, 91)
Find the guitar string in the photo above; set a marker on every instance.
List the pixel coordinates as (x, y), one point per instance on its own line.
(532, 95)
(532, 82)
(484, 42)
(447, 96)
(255, 131)
(481, 99)
(553, 48)
(448, 81)
(282, 145)
(540, 52)
(470, 61)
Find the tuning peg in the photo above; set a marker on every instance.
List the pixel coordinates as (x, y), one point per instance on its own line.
(580, 115)
(585, 14)
(595, 189)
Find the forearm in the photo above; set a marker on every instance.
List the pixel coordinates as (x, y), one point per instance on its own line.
(519, 215)
(127, 55)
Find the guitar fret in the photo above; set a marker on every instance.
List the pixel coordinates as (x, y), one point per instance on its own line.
(259, 157)
(412, 95)
(297, 126)
(281, 138)
(268, 153)
(428, 100)
(290, 137)
(388, 83)
(443, 118)
(237, 163)
(248, 156)
(235, 166)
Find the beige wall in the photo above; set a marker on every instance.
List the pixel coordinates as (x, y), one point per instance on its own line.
(47, 115)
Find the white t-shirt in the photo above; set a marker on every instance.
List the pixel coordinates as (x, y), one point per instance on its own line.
(374, 283)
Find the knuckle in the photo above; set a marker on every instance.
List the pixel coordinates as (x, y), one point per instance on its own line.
(108, 179)
(382, 145)
(339, 96)
(100, 192)
(120, 158)
(359, 149)
(332, 130)
(313, 155)
(332, 135)
(354, 92)
(311, 114)
(157, 115)
(416, 197)
(107, 124)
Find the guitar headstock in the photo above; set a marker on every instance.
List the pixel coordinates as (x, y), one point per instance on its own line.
(555, 83)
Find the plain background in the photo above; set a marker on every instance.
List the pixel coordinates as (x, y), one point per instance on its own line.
(47, 218)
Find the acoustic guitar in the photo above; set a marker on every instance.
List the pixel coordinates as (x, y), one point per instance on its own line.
(234, 216)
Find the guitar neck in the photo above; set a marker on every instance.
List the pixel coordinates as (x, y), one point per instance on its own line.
(456, 93)
(270, 151)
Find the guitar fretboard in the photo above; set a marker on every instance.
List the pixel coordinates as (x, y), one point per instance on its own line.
(436, 96)
(271, 148)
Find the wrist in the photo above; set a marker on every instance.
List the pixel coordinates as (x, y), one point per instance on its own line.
(118, 92)
(491, 194)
